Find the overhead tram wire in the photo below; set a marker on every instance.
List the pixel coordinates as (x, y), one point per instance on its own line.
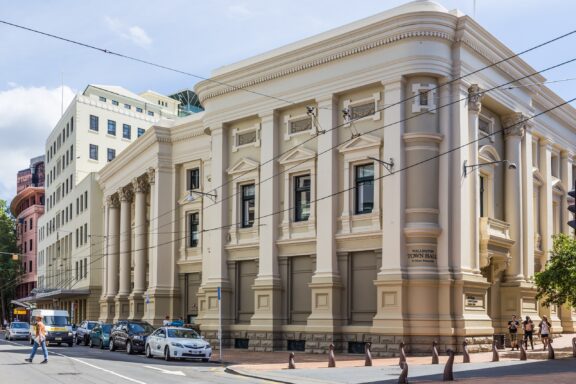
(400, 170)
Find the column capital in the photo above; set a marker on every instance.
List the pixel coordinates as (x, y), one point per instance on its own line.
(475, 98)
(151, 173)
(113, 201)
(546, 143)
(140, 184)
(515, 124)
(125, 193)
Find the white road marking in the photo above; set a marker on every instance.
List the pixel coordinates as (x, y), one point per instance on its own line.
(177, 373)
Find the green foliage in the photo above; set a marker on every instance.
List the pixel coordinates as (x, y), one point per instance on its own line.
(557, 283)
(9, 269)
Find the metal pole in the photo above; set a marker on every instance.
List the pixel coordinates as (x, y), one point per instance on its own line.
(220, 321)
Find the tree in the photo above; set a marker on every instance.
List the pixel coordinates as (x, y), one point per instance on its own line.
(557, 283)
(9, 269)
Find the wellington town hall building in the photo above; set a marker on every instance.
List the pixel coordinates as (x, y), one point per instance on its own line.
(382, 181)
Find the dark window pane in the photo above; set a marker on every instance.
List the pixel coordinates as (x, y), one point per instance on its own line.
(93, 123)
(126, 131)
(248, 205)
(364, 188)
(112, 127)
(301, 198)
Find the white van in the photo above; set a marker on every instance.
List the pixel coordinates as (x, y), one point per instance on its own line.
(57, 323)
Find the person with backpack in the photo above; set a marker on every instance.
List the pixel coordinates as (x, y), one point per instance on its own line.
(528, 326)
(545, 330)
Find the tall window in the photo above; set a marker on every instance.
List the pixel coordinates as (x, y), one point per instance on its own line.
(193, 224)
(126, 131)
(248, 204)
(111, 154)
(192, 179)
(364, 188)
(93, 151)
(94, 123)
(481, 196)
(301, 198)
(141, 131)
(112, 127)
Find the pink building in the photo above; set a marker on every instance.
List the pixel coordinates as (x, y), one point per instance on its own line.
(27, 207)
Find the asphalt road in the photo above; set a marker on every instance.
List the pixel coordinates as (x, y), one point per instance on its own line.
(81, 364)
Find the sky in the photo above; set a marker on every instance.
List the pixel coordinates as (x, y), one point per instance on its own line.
(38, 74)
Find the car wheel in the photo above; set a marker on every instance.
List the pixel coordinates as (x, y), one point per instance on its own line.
(167, 356)
(111, 346)
(90, 343)
(129, 348)
(101, 344)
(205, 360)
(148, 352)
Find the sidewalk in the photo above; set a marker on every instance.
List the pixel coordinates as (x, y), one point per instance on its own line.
(350, 368)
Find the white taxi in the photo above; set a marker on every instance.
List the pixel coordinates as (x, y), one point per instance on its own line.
(176, 342)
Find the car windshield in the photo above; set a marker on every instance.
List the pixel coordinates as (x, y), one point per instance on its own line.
(183, 334)
(55, 320)
(140, 328)
(106, 328)
(91, 325)
(19, 325)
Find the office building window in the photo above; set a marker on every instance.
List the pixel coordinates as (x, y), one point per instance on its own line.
(94, 123)
(81, 268)
(111, 154)
(193, 225)
(72, 124)
(102, 99)
(301, 198)
(141, 131)
(85, 267)
(192, 179)
(126, 131)
(112, 127)
(93, 151)
(85, 199)
(248, 205)
(138, 109)
(85, 233)
(76, 270)
(114, 102)
(127, 106)
(364, 188)
(150, 113)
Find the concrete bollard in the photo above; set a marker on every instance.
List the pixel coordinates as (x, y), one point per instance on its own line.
(435, 359)
(523, 355)
(402, 355)
(551, 355)
(291, 363)
(331, 359)
(448, 369)
(368, 353)
(495, 354)
(403, 379)
(574, 347)
(466, 355)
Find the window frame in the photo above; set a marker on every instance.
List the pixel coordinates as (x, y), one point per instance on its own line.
(245, 221)
(358, 181)
(190, 186)
(126, 128)
(193, 240)
(94, 124)
(91, 147)
(111, 151)
(111, 124)
(298, 191)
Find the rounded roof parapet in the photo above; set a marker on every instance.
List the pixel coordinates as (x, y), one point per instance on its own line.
(24, 194)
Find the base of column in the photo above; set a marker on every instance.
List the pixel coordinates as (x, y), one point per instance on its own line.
(266, 321)
(325, 318)
(158, 304)
(136, 301)
(568, 318)
(390, 293)
(516, 298)
(470, 303)
(107, 309)
(122, 308)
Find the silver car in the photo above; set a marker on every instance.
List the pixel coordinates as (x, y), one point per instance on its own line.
(180, 343)
(17, 330)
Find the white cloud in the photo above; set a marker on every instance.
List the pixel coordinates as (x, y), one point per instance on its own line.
(135, 34)
(28, 117)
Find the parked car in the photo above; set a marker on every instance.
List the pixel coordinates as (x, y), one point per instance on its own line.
(177, 342)
(100, 336)
(57, 324)
(129, 335)
(17, 330)
(83, 331)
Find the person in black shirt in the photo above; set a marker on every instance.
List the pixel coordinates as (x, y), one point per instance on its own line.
(513, 329)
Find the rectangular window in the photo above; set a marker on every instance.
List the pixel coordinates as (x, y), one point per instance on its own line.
(301, 125)
(138, 109)
(85, 233)
(248, 205)
(81, 268)
(93, 152)
(111, 154)
(77, 237)
(30, 223)
(30, 266)
(141, 131)
(246, 138)
(72, 124)
(114, 102)
(193, 223)
(150, 113)
(481, 196)
(301, 198)
(102, 99)
(76, 270)
(424, 98)
(94, 123)
(192, 179)
(127, 106)
(85, 267)
(81, 235)
(112, 127)
(126, 131)
(362, 110)
(364, 188)
(86, 200)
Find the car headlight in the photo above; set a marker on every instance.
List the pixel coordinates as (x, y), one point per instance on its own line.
(137, 337)
(69, 333)
(177, 345)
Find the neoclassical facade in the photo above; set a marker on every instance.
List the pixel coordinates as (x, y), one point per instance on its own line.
(381, 195)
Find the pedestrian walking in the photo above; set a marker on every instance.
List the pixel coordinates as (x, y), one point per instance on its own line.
(5, 323)
(545, 330)
(39, 340)
(513, 330)
(528, 326)
(166, 321)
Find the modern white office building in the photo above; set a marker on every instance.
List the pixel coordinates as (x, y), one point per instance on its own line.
(97, 125)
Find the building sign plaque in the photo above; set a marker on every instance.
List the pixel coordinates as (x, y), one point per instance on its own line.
(422, 255)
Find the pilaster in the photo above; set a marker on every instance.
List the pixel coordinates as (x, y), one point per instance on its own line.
(122, 307)
(140, 187)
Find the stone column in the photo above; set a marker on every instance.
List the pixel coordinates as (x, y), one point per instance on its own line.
(122, 308)
(527, 204)
(267, 287)
(390, 285)
(474, 107)
(546, 198)
(113, 254)
(325, 286)
(140, 186)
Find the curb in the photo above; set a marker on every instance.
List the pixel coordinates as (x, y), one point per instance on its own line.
(239, 373)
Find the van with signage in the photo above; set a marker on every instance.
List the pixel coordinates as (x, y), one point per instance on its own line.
(57, 323)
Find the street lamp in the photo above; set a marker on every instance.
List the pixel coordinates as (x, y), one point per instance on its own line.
(465, 167)
(193, 195)
(388, 165)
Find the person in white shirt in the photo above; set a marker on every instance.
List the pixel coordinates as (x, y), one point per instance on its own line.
(545, 329)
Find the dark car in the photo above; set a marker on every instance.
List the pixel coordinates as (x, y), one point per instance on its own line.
(83, 331)
(129, 335)
(100, 336)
